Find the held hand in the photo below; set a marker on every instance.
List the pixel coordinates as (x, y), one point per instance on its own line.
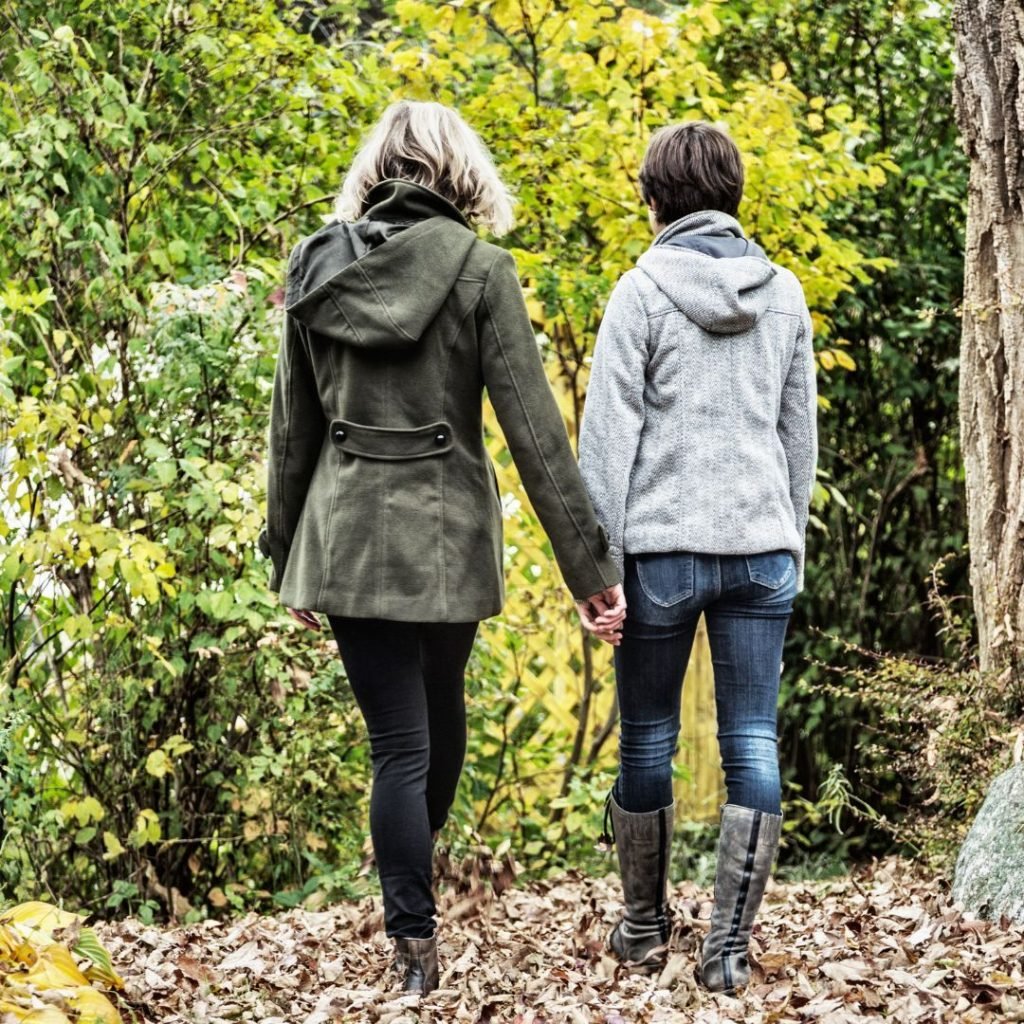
(603, 614)
(307, 619)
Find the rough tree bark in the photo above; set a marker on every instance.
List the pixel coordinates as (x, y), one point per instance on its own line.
(990, 114)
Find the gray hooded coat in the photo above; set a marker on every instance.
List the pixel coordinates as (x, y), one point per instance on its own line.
(699, 430)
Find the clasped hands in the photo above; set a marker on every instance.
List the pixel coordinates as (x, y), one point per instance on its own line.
(602, 614)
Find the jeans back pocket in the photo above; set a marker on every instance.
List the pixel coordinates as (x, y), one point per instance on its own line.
(771, 568)
(665, 578)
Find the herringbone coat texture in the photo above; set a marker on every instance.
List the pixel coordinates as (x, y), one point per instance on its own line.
(700, 424)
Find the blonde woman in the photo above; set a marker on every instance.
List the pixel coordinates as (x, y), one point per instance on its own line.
(383, 510)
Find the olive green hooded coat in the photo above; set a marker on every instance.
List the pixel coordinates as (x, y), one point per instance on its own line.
(381, 498)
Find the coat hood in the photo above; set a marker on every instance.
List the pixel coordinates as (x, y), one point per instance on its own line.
(708, 268)
(380, 281)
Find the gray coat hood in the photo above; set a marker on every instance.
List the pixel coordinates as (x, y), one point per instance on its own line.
(710, 271)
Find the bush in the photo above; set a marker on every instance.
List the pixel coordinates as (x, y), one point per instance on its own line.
(172, 742)
(933, 734)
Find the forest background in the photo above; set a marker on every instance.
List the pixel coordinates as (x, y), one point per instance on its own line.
(172, 742)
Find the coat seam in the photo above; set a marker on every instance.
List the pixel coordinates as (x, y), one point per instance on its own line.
(441, 553)
(327, 541)
(384, 509)
(366, 277)
(735, 423)
(289, 338)
(341, 312)
(533, 434)
(805, 412)
(334, 372)
(334, 489)
(668, 310)
(444, 407)
(649, 347)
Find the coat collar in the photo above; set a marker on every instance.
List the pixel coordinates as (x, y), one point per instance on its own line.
(711, 232)
(396, 199)
(702, 222)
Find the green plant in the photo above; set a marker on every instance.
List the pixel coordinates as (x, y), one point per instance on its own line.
(933, 732)
(173, 740)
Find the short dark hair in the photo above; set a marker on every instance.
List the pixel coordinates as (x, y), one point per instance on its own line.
(689, 167)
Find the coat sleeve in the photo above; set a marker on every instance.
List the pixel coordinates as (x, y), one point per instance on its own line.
(798, 430)
(295, 437)
(613, 414)
(518, 387)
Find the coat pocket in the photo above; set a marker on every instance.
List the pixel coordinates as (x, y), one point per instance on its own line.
(391, 443)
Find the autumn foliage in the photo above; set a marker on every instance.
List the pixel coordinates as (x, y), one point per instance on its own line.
(172, 739)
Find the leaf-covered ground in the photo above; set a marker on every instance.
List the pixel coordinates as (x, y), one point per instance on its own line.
(883, 944)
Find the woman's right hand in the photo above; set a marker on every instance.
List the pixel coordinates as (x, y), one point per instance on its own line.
(602, 614)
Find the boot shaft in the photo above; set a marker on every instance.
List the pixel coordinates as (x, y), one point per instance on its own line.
(643, 842)
(416, 962)
(747, 844)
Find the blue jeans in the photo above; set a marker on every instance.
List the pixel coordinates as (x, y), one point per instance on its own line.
(746, 601)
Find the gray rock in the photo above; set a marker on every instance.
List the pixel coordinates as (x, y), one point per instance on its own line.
(989, 877)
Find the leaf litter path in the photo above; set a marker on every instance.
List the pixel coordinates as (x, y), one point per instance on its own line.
(883, 944)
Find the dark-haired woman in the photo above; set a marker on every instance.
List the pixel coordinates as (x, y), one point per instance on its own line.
(698, 449)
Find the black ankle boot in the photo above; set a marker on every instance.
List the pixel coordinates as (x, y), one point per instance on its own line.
(416, 962)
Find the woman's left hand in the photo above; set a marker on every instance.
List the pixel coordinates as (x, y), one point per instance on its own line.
(308, 619)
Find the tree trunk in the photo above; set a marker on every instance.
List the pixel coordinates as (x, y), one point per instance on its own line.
(990, 114)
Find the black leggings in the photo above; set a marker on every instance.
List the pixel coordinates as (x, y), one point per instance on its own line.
(408, 679)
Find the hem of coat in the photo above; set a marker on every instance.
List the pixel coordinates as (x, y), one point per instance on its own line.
(402, 611)
(662, 541)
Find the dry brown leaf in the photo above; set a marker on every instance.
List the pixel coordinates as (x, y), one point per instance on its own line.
(847, 970)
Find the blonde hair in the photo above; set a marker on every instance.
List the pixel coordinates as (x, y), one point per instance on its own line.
(430, 144)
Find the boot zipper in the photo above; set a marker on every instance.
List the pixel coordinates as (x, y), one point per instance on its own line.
(606, 840)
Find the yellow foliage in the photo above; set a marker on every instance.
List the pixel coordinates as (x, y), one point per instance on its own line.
(37, 921)
(567, 96)
(40, 1015)
(41, 982)
(93, 1007)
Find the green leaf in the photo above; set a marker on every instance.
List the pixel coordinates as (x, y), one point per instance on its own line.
(158, 764)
